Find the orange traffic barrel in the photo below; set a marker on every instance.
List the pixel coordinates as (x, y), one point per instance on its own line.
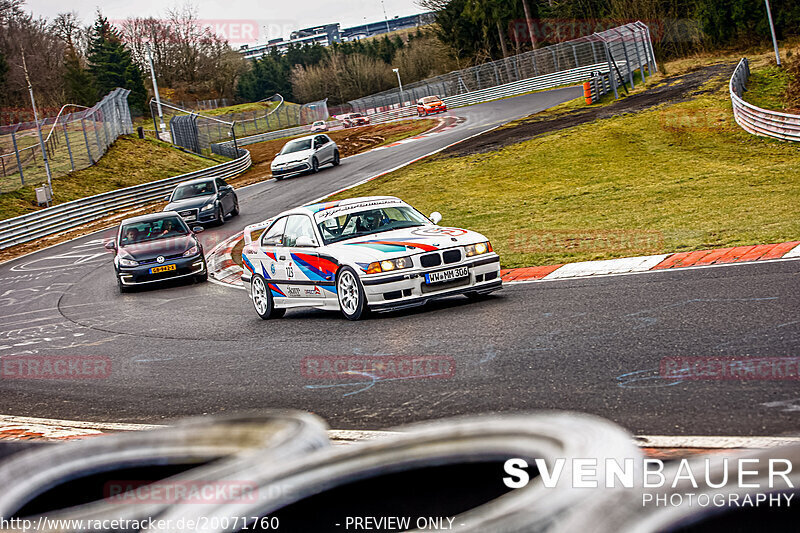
(587, 92)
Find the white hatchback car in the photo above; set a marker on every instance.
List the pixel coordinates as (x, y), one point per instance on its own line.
(305, 154)
(375, 253)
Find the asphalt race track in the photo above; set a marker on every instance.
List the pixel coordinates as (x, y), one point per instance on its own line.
(591, 345)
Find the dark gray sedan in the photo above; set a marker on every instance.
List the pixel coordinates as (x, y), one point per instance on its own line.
(203, 201)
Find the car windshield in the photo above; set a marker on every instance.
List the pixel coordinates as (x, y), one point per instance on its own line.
(297, 145)
(191, 190)
(319, 123)
(151, 230)
(369, 221)
(430, 99)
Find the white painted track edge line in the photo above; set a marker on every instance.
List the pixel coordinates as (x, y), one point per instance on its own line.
(651, 271)
(649, 441)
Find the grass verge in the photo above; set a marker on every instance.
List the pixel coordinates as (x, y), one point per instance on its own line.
(129, 161)
(628, 185)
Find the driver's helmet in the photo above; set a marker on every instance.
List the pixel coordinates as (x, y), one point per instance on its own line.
(371, 220)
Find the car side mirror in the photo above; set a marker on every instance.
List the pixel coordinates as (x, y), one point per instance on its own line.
(436, 217)
(167, 197)
(304, 241)
(198, 229)
(110, 245)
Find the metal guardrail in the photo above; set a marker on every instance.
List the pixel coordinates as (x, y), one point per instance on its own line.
(69, 215)
(755, 120)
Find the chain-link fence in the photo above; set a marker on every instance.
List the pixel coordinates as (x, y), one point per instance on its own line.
(72, 141)
(620, 50)
(198, 132)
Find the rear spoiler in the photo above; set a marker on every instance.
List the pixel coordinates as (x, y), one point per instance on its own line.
(248, 230)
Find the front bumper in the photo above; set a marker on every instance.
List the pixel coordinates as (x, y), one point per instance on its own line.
(141, 275)
(429, 110)
(292, 170)
(195, 216)
(408, 289)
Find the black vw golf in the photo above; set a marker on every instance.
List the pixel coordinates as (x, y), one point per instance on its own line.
(156, 247)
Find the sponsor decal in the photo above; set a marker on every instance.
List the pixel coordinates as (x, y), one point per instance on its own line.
(351, 208)
(437, 231)
(313, 292)
(293, 292)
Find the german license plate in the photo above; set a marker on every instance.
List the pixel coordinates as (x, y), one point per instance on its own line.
(446, 275)
(164, 268)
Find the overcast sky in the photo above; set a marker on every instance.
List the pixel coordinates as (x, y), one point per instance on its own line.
(240, 19)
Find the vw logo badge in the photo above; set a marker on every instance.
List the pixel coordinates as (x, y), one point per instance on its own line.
(160, 259)
(272, 268)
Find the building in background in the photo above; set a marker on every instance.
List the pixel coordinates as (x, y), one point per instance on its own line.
(328, 34)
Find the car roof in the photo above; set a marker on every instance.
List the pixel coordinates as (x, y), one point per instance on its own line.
(317, 207)
(305, 137)
(148, 217)
(196, 180)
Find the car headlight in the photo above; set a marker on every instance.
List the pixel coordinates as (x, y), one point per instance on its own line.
(190, 252)
(478, 249)
(207, 207)
(389, 265)
(127, 262)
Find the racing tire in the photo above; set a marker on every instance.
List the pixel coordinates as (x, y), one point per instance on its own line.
(235, 211)
(220, 216)
(314, 165)
(446, 468)
(336, 158)
(352, 298)
(122, 287)
(262, 299)
(210, 449)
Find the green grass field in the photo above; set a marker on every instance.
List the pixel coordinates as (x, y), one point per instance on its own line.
(129, 161)
(675, 178)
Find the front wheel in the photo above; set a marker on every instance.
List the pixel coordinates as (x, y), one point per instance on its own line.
(235, 211)
(314, 165)
(336, 159)
(122, 287)
(220, 215)
(352, 300)
(262, 299)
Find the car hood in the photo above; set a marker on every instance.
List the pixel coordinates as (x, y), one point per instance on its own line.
(404, 242)
(189, 203)
(161, 247)
(433, 104)
(294, 156)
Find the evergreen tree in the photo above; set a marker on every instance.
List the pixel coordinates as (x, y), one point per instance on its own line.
(111, 65)
(78, 82)
(3, 69)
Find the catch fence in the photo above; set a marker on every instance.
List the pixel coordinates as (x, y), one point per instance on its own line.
(72, 141)
(618, 52)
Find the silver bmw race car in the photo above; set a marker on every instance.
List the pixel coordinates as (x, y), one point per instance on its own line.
(375, 253)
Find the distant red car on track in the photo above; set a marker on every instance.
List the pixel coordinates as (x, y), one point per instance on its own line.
(352, 120)
(430, 105)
